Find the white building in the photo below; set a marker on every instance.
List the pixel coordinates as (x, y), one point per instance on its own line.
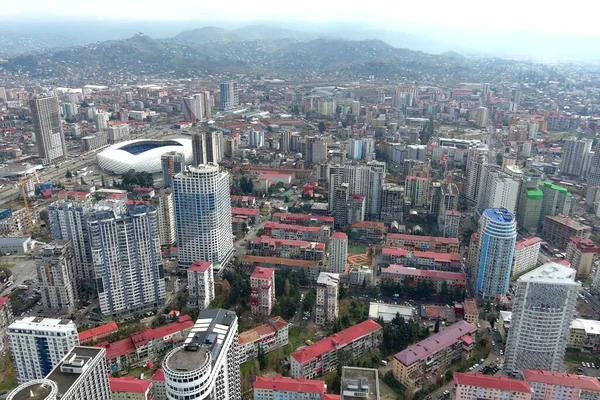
(543, 309)
(38, 344)
(80, 375)
(498, 190)
(201, 285)
(451, 224)
(126, 257)
(262, 291)
(526, 255)
(270, 336)
(338, 252)
(101, 120)
(203, 215)
(47, 126)
(193, 108)
(229, 96)
(479, 386)
(476, 162)
(118, 132)
(55, 265)
(327, 298)
(574, 155)
(207, 147)
(207, 365)
(163, 202)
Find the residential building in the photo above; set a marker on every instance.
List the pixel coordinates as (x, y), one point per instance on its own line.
(131, 388)
(262, 291)
(417, 189)
(368, 231)
(580, 253)
(207, 147)
(201, 285)
(526, 255)
(270, 336)
(423, 243)
(414, 277)
(449, 194)
(422, 259)
(55, 265)
(471, 311)
(531, 200)
(480, 386)
(193, 108)
(338, 252)
(284, 388)
(286, 248)
(327, 298)
(340, 205)
(451, 224)
(126, 257)
(498, 190)
(558, 230)
(584, 335)
(229, 96)
(159, 386)
(172, 163)
(81, 374)
(297, 232)
(256, 139)
(163, 202)
(321, 357)
(476, 162)
(100, 332)
(497, 238)
(392, 201)
(16, 244)
(310, 268)
(203, 215)
(38, 344)
(47, 127)
(504, 323)
(556, 385)
(355, 208)
(303, 219)
(573, 154)
(434, 354)
(556, 201)
(6, 317)
(543, 308)
(359, 383)
(206, 366)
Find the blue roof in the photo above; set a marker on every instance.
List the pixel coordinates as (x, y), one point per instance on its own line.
(500, 215)
(141, 147)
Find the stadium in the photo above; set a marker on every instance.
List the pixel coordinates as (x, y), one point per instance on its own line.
(142, 155)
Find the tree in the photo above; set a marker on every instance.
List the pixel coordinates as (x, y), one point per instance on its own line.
(246, 185)
(286, 289)
(437, 326)
(449, 375)
(225, 288)
(69, 174)
(262, 358)
(322, 127)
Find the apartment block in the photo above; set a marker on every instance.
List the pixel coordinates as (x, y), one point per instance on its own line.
(480, 386)
(580, 253)
(262, 291)
(327, 298)
(310, 268)
(270, 336)
(201, 284)
(303, 219)
(432, 244)
(368, 231)
(97, 333)
(321, 357)
(526, 256)
(558, 230)
(434, 354)
(415, 277)
(131, 388)
(471, 311)
(284, 388)
(557, 385)
(421, 259)
(451, 224)
(55, 265)
(339, 252)
(286, 248)
(297, 232)
(6, 317)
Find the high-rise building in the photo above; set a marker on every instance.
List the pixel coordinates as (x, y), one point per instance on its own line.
(335, 178)
(6, 317)
(201, 284)
(126, 256)
(203, 215)
(580, 253)
(206, 366)
(483, 117)
(451, 224)
(285, 141)
(81, 374)
(193, 108)
(68, 221)
(392, 201)
(574, 151)
(498, 190)
(47, 126)
(593, 175)
(256, 139)
(172, 163)
(207, 101)
(318, 150)
(476, 161)
(38, 344)
(448, 201)
(355, 208)
(101, 120)
(55, 264)
(558, 230)
(497, 237)
(207, 147)
(163, 202)
(339, 252)
(556, 200)
(531, 200)
(262, 291)
(229, 95)
(355, 149)
(526, 256)
(340, 201)
(543, 307)
(327, 298)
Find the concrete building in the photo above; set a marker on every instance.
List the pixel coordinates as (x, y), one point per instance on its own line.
(451, 224)
(580, 253)
(278, 230)
(388, 311)
(193, 108)
(262, 291)
(359, 383)
(448, 201)
(422, 259)
(558, 230)
(131, 388)
(117, 132)
(159, 386)
(555, 385)
(55, 265)
(6, 318)
(229, 96)
(355, 208)
(38, 344)
(201, 285)
(203, 215)
(286, 248)
(126, 258)
(543, 308)
(270, 336)
(327, 298)
(16, 245)
(320, 357)
(339, 252)
(415, 277)
(423, 243)
(584, 335)
(436, 353)
(163, 203)
(172, 163)
(531, 199)
(574, 151)
(498, 190)
(480, 386)
(207, 147)
(81, 374)
(207, 365)
(526, 255)
(284, 388)
(392, 201)
(557, 200)
(497, 237)
(471, 311)
(47, 126)
(476, 162)
(483, 117)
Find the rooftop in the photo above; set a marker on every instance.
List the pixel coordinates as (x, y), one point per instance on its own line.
(159, 376)
(244, 211)
(500, 215)
(284, 384)
(284, 216)
(100, 330)
(438, 257)
(40, 389)
(570, 222)
(278, 261)
(129, 384)
(262, 273)
(418, 238)
(359, 383)
(200, 266)
(590, 326)
(492, 382)
(291, 227)
(527, 242)
(43, 324)
(340, 235)
(79, 357)
(270, 328)
(470, 307)
(268, 240)
(562, 379)
(585, 245)
(328, 279)
(428, 273)
(551, 273)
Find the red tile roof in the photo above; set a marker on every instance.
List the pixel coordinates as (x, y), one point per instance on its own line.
(159, 376)
(3, 301)
(286, 216)
(330, 397)
(334, 341)
(562, 379)
(492, 382)
(290, 227)
(280, 383)
(438, 257)
(278, 261)
(428, 273)
(268, 240)
(262, 273)
(244, 211)
(584, 245)
(98, 332)
(418, 238)
(527, 242)
(270, 328)
(129, 384)
(200, 266)
(340, 235)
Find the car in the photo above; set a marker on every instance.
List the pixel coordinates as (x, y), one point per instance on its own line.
(493, 343)
(501, 352)
(481, 361)
(593, 365)
(582, 364)
(470, 368)
(478, 325)
(588, 365)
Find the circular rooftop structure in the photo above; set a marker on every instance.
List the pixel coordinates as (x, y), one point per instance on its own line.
(39, 389)
(142, 155)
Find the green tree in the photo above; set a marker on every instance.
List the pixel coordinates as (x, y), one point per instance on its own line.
(262, 358)
(322, 127)
(246, 185)
(68, 174)
(437, 326)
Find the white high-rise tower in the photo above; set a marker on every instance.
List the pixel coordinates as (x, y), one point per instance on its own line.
(47, 125)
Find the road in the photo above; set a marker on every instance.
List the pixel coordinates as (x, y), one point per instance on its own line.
(240, 245)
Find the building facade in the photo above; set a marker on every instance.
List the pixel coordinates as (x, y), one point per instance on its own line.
(262, 291)
(526, 255)
(338, 252)
(207, 147)
(479, 386)
(580, 253)
(229, 95)
(55, 265)
(201, 284)
(172, 163)
(268, 337)
(327, 298)
(555, 385)
(423, 243)
(284, 388)
(47, 126)
(414, 277)
(559, 229)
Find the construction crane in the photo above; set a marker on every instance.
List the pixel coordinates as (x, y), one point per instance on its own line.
(23, 190)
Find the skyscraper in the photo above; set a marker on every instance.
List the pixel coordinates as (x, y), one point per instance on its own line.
(47, 126)
(38, 344)
(193, 108)
(163, 202)
(172, 163)
(126, 257)
(498, 190)
(201, 284)
(206, 366)
(339, 252)
(55, 265)
(203, 215)
(229, 95)
(497, 237)
(476, 161)
(207, 147)
(574, 151)
(327, 288)
(543, 308)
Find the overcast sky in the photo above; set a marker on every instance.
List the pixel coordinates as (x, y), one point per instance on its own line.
(570, 17)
